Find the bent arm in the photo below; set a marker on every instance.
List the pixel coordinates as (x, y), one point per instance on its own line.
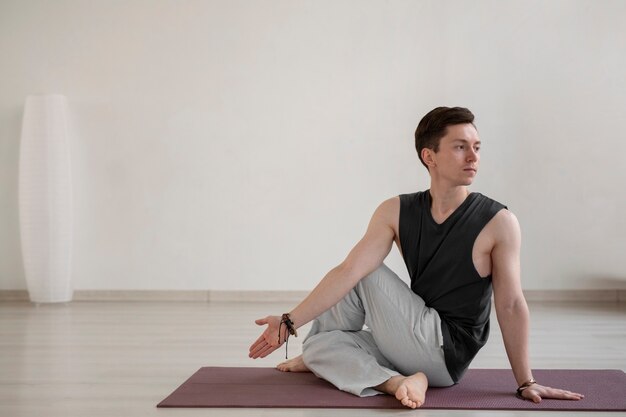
(364, 258)
(368, 254)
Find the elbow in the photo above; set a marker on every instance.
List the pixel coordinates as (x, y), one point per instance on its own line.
(347, 272)
(352, 273)
(514, 307)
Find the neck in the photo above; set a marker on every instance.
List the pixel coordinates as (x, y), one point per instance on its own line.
(446, 200)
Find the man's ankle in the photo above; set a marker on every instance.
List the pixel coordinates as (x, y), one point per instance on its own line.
(390, 386)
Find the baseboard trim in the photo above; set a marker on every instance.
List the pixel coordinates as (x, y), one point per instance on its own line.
(258, 296)
(170, 295)
(141, 295)
(14, 295)
(290, 296)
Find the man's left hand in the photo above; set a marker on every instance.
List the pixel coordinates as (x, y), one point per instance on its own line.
(536, 393)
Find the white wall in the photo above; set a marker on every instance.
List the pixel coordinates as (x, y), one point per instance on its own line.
(245, 144)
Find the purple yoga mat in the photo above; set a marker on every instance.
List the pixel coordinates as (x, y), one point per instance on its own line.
(488, 389)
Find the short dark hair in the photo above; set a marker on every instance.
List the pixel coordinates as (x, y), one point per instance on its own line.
(434, 126)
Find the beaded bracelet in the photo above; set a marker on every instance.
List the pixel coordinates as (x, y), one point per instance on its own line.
(525, 385)
(291, 330)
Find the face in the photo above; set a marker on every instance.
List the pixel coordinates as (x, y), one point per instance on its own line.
(458, 157)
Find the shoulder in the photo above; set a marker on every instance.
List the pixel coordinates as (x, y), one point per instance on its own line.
(506, 219)
(389, 210)
(390, 207)
(505, 226)
(387, 213)
(497, 214)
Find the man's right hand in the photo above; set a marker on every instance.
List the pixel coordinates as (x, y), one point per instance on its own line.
(268, 341)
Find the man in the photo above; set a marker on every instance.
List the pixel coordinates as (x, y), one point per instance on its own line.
(459, 248)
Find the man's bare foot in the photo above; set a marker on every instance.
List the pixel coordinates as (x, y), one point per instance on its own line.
(293, 365)
(410, 390)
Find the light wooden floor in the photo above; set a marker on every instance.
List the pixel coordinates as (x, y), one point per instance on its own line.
(121, 359)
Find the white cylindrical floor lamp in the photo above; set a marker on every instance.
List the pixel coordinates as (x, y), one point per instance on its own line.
(45, 199)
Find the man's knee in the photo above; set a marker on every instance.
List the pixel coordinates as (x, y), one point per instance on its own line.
(320, 344)
(373, 279)
(321, 340)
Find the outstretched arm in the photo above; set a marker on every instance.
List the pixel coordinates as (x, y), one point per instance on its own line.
(511, 307)
(364, 258)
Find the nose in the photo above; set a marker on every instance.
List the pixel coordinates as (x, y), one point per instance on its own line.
(472, 155)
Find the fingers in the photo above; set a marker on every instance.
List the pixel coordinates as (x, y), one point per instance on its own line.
(535, 397)
(536, 394)
(267, 350)
(262, 350)
(261, 322)
(564, 394)
(259, 340)
(255, 346)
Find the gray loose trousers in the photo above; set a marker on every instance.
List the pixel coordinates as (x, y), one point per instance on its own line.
(403, 337)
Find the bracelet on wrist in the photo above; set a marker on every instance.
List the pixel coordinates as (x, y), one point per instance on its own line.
(525, 385)
(291, 330)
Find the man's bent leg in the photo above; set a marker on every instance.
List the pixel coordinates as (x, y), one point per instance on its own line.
(405, 330)
(349, 360)
(348, 314)
(405, 337)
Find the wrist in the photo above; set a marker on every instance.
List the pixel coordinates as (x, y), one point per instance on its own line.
(292, 317)
(523, 377)
(290, 329)
(289, 324)
(525, 385)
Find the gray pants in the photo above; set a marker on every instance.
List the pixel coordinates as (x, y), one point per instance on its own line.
(402, 337)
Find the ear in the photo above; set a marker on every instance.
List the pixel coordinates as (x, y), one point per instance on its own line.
(428, 157)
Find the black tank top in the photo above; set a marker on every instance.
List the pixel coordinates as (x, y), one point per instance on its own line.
(439, 260)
